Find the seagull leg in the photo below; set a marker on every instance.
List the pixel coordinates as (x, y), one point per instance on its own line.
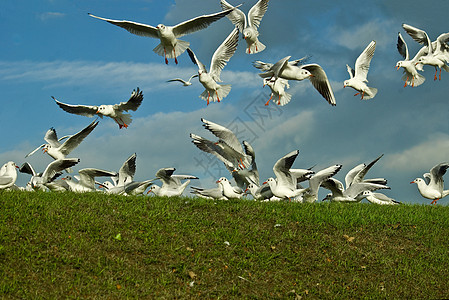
(405, 84)
(439, 77)
(268, 102)
(174, 53)
(356, 94)
(208, 95)
(363, 94)
(413, 81)
(218, 99)
(434, 201)
(435, 77)
(279, 100)
(165, 56)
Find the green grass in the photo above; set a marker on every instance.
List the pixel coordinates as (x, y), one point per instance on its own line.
(65, 245)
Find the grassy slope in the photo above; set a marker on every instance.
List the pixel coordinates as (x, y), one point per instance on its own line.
(63, 245)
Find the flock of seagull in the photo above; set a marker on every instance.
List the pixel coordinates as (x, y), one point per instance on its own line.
(239, 158)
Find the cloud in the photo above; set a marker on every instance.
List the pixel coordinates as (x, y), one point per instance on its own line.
(421, 156)
(50, 16)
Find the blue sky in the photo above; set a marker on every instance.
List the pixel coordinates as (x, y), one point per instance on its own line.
(53, 48)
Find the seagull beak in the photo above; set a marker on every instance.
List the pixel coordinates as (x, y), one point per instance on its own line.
(412, 181)
(265, 182)
(45, 150)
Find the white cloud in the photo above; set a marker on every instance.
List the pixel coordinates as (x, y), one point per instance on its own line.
(50, 15)
(422, 156)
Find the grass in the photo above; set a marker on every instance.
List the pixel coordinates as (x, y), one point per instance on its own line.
(70, 245)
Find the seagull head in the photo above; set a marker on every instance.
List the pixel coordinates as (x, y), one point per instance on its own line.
(161, 27)
(346, 83)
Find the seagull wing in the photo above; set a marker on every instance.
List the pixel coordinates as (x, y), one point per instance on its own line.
(83, 110)
(133, 103)
(133, 27)
(402, 47)
(27, 168)
(417, 34)
(350, 71)
(198, 23)
(224, 134)
(363, 62)
(223, 54)
(263, 66)
(334, 185)
(257, 12)
(320, 82)
(73, 141)
(87, 176)
(52, 138)
(32, 152)
(237, 17)
(127, 170)
(361, 174)
(436, 176)
(282, 169)
(56, 167)
(196, 61)
(320, 176)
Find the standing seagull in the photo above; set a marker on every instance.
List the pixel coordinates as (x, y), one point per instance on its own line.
(434, 190)
(219, 60)
(248, 27)
(113, 111)
(8, 175)
(297, 70)
(170, 46)
(358, 77)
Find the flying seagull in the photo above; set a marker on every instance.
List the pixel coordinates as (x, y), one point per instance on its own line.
(114, 111)
(170, 46)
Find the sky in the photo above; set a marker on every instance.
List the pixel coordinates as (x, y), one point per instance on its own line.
(53, 48)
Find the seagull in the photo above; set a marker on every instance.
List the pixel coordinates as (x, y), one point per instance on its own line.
(171, 46)
(353, 193)
(124, 176)
(379, 198)
(239, 159)
(358, 77)
(284, 186)
(311, 193)
(113, 111)
(358, 173)
(171, 184)
(262, 192)
(281, 97)
(219, 60)
(410, 66)
(248, 26)
(184, 83)
(434, 190)
(8, 175)
(229, 191)
(297, 70)
(138, 187)
(213, 193)
(54, 169)
(87, 179)
(438, 51)
(56, 150)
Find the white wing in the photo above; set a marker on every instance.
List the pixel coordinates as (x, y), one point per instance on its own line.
(223, 54)
(363, 62)
(198, 23)
(237, 17)
(257, 12)
(133, 27)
